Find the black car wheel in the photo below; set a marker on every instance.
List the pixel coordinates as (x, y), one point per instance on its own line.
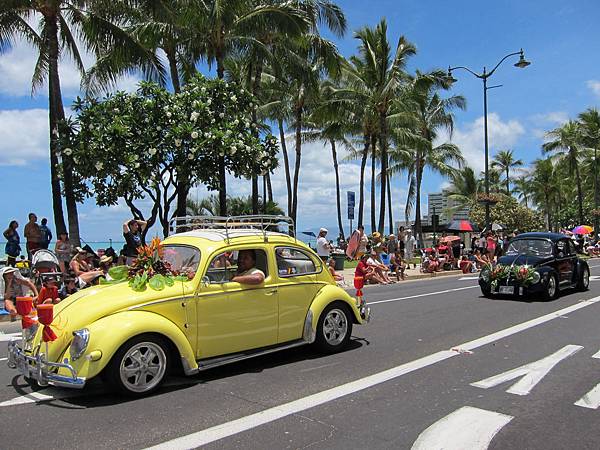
(551, 290)
(583, 283)
(486, 291)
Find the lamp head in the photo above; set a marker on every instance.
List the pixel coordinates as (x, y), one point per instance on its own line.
(450, 79)
(522, 63)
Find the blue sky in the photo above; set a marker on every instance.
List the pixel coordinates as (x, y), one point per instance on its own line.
(559, 38)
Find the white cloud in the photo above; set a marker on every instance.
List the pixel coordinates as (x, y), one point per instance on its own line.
(24, 136)
(594, 85)
(552, 118)
(469, 138)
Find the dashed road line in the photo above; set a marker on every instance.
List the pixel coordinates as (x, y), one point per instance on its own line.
(445, 291)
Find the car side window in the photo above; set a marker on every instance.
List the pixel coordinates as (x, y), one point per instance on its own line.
(224, 266)
(569, 249)
(293, 262)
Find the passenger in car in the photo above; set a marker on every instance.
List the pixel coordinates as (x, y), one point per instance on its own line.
(247, 272)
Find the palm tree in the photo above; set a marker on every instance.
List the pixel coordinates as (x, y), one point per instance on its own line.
(421, 115)
(465, 186)
(543, 187)
(505, 161)
(522, 188)
(565, 146)
(590, 130)
(59, 22)
(383, 72)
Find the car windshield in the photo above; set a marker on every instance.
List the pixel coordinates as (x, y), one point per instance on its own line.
(182, 258)
(530, 247)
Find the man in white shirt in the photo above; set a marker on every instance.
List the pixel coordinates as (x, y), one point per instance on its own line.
(323, 246)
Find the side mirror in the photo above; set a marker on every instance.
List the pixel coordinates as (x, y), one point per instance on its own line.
(205, 281)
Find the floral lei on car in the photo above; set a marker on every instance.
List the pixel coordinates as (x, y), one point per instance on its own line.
(149, 269)
(524, 274)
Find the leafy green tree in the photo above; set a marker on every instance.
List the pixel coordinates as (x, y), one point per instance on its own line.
(384, 70)
(59, 21)
(237, 206)
(509, 213)
(130, 146)
(465, 186)
(422, 115)
(544, 187)
(522, 188)
(590, 133)
(565, 146)
(505, 161)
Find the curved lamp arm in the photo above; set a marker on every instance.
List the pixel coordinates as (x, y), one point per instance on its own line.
(502, 60)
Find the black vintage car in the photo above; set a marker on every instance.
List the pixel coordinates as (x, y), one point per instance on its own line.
(536, 264)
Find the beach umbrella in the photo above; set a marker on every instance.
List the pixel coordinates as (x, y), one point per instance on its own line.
(450, 238)
(461, 225)
(497, 227)
(582, 229)
(309, 233)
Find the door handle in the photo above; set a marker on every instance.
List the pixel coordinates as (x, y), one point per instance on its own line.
(272, 291)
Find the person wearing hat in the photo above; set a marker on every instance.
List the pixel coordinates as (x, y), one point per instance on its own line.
(323, 245)
(392, 245)
(12, 285)
(409, 246)
(105, 265)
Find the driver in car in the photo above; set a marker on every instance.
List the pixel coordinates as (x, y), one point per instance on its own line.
(247, 272)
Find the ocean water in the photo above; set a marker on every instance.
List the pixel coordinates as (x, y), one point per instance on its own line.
(117, 245)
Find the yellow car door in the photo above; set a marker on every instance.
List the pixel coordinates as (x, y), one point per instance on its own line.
(297, 284)
(233, 317)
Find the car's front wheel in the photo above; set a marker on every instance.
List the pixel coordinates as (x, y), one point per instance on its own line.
(584, 280)
(486, 291)
(551, 291)
(139, 366)
(334, 328)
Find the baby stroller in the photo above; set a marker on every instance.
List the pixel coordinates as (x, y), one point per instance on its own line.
(44, 264)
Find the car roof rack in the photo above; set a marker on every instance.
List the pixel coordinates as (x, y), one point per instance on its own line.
(263, 223)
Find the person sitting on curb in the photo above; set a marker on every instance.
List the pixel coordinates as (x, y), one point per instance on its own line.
(398, 264)
(366, 272)
(380, 269)
(465, 265)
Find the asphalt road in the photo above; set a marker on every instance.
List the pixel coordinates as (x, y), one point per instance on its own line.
(433, 369)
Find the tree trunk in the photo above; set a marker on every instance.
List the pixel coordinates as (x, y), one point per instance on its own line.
(297, 162)
(337, 187)
(507, 182)
(389, 197)
(363, 164)
(418, 227)
(56, 105)
(286, 164)
(254, 193)
(269, 188)
(254, 86)
(579, 194)
(548, 221)
(222, 170)
(384, 165)
(170, 52)
(373, 160)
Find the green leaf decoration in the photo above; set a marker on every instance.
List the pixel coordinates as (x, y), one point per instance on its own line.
(138, 283)
(118, 273)
(157, 282)
(181, 278)
(169, 281)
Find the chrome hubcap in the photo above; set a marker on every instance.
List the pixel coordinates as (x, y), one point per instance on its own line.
(586, 279)
(551, 286)
(143, 367)
(335, 326)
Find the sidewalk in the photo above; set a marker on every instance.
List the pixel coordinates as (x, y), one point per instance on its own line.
(411, 274)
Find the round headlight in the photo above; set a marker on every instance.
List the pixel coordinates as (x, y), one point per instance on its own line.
(536, 277)
(80, 343)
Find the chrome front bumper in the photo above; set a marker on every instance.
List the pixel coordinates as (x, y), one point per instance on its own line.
(37, 368)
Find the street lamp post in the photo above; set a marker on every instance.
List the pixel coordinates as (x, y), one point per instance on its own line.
(522, 63)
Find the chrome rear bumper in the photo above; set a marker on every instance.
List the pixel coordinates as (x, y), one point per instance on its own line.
(37, 368)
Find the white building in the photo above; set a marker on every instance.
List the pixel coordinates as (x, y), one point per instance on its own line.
(442, 204)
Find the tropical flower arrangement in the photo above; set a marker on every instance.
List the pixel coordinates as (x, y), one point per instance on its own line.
(149, 269)
(526, 275)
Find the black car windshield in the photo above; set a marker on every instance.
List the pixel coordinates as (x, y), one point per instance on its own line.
(182, 258)
(530, 247)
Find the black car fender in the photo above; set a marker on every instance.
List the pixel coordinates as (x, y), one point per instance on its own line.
(544, 272)
(581, 265)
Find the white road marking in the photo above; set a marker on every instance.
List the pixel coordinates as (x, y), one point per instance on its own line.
(467, 427)
(421, 295)
(9, 336)
(594, 277)
(32, 397)
(596, 355)
(590, 400)
(468, 278)
(3, 359)
(233, 427)
(532, 373)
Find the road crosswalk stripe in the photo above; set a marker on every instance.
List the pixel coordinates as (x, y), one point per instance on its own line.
(9, 336)
(467, 427)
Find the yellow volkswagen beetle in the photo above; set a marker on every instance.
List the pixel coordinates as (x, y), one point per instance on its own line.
(133, 338)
